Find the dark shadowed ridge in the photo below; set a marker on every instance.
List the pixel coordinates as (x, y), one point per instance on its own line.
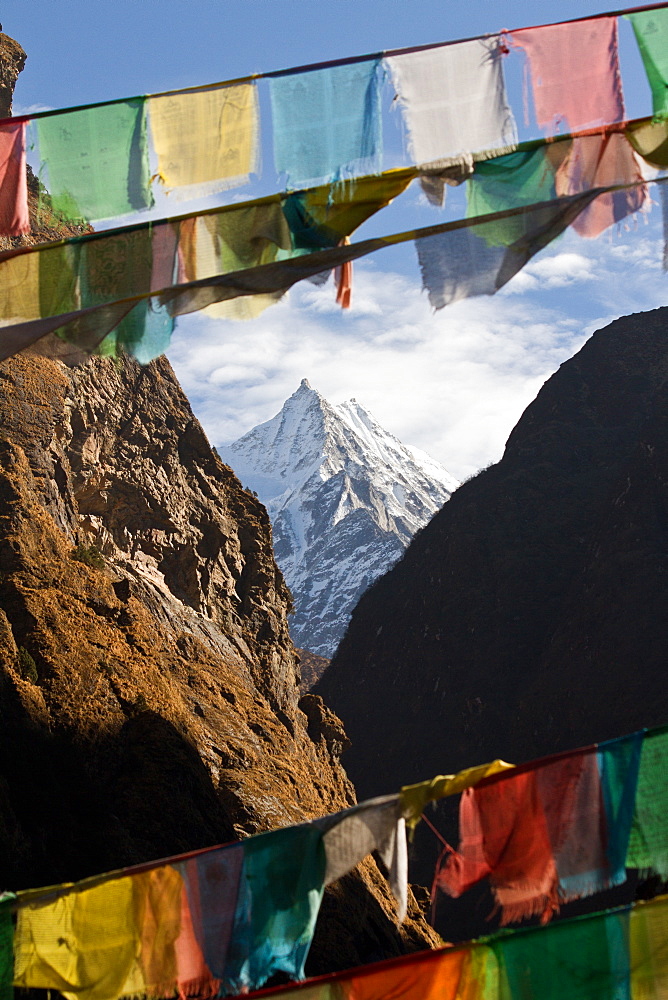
(530, 615)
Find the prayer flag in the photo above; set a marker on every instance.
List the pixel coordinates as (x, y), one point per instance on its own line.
(585, 959)
(58, 278)
(648, 925)
(574, 72)
(194, 976)
(145, 332)
(281, 887)
(570, 791)
(157, 910)
(327, 123)
(650, 140)
(13, 183)
(373, 825)
(212, 883)
(206, 137)
(480, 259)
(20, 299)
(618, 764)
(247, 236)
(84, 944)
(97, 160)
(648, 841)
(6, 946)
(323, 216)
(453, 98)
(601, 161)
(651, 30)
(119, 266)
(504, 835)
(521, 178)
(452, 974)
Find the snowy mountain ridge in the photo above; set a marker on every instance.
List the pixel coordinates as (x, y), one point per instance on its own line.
(345, 498)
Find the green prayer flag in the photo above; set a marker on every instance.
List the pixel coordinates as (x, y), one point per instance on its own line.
(521, 178)
(58, 274)
(651, 31)
(97, 160)
(6, 946)
(648, 843)
(582, 959)
(279, 897)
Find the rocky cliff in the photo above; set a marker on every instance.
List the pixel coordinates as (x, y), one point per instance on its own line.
(529, 616)
(149, 697)
(148, 685)
(12, 61)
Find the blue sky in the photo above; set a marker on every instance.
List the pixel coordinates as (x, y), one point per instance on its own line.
(453, 383)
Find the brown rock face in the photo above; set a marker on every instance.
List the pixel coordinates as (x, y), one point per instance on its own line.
(138, 577)
(12, 61)
(312, 667)
(148, 685)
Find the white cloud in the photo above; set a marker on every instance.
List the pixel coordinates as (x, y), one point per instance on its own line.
(562, 269)
(453, 383)
(25, 110)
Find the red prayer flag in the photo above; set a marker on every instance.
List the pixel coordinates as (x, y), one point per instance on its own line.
(539, 835)
(600, 161)
(504, 833)
(575, 72)
(13, 183)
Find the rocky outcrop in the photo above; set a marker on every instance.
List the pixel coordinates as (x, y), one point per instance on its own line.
(530, 615)
(138, 578)
(12, 61)
(312, 667)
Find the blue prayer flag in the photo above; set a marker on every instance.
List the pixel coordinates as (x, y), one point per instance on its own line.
(327, 123)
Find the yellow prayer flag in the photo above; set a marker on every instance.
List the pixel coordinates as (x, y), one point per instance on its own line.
(650, 140)
(343, 207)
(207, 136)
(243, 308)
(250, 235)
(648, 927)
(413, 798)
(84, 944)
(231, 241)
(115, 939)
(19, 288)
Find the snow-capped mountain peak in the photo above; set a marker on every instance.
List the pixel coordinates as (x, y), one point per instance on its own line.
(345, 497)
